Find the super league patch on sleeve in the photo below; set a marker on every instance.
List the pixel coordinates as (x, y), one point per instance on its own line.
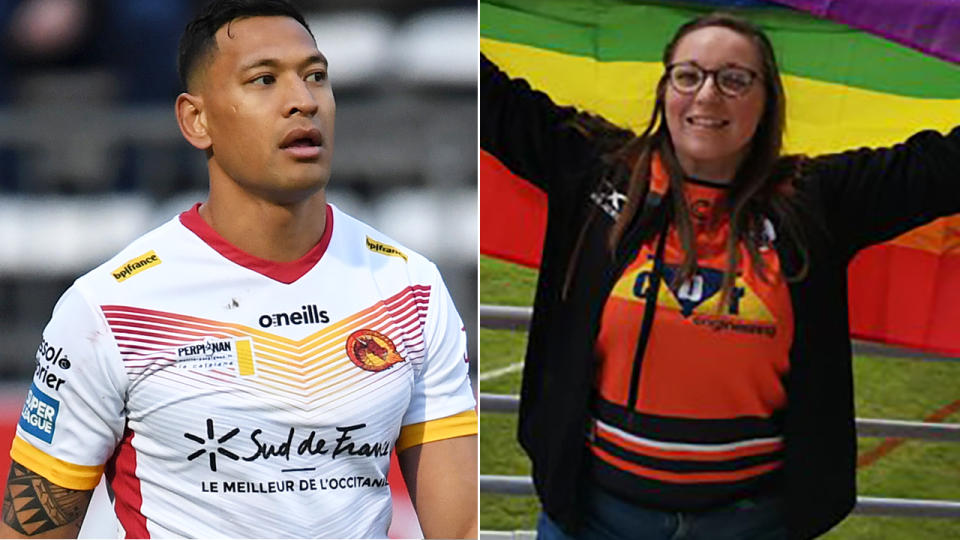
(39, 416)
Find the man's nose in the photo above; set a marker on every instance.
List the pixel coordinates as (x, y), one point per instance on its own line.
(301, 100)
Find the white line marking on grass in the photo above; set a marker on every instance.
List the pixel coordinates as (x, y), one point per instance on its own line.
(512, 368)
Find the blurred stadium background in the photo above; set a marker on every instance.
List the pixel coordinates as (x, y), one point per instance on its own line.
(91, 157)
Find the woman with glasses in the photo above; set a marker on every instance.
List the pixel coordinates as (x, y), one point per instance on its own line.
(688, 372)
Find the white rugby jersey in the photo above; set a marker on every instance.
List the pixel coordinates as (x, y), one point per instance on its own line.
(226, 395)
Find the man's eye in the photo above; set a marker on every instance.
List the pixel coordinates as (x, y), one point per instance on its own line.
(264, 79)
(318, 76)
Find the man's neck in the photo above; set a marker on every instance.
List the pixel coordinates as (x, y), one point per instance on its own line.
(264, 229)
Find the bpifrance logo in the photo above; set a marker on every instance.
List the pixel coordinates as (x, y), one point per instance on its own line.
(136, 265)
(372, 351)
(39, 415)
(384, 249)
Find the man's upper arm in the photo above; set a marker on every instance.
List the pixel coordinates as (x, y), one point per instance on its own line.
(73, 416)
(442, 382)
(437, 445)
(441, 477)
(70, 424)
(442, 402)
(35, 507)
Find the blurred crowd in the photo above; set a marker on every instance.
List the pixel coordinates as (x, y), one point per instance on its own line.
(129, 43)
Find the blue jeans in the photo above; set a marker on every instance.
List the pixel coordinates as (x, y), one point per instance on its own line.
(610, 518)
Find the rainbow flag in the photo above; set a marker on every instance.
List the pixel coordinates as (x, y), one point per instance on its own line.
(873, 83)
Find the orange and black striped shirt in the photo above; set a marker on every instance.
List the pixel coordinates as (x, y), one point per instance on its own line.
(698, 423)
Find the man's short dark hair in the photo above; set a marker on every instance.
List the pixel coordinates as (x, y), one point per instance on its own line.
(199, 37)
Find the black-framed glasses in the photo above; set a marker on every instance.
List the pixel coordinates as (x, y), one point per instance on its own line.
(732, 81)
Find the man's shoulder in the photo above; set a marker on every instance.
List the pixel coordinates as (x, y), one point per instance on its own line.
(363, 239)
(141, 255)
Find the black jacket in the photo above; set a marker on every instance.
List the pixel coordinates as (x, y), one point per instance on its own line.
(849, 201)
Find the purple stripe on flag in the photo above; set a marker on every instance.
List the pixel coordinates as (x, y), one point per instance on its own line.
(930, 26)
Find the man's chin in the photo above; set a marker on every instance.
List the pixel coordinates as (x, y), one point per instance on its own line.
(295, 191)
(305, 177)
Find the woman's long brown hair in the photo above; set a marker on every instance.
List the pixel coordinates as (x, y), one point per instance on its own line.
(763, 182)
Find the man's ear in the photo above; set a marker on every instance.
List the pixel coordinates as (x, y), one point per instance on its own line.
(192, 120)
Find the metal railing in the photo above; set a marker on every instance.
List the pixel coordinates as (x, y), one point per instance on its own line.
(518, 318)
(866, 427)
(867, 506)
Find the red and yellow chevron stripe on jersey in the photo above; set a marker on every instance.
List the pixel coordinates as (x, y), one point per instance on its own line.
(224, 395)
(305, 366)
(702, 425)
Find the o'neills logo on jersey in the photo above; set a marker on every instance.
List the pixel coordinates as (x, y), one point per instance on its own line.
(307, 315)
(384, 249)
(372, 351)
(136, 265)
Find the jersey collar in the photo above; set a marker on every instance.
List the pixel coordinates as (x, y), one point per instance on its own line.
(284, 272)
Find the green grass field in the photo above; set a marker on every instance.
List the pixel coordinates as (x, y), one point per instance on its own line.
(885, 388)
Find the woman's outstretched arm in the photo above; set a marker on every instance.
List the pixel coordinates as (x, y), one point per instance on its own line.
(873, 195)
(535, 138)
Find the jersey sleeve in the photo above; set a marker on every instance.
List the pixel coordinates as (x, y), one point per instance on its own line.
(73, 416)
(442, 405)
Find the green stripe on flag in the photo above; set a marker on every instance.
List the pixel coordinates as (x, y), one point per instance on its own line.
(615, 31)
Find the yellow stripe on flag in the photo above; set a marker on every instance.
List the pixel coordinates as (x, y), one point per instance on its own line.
(822, 117)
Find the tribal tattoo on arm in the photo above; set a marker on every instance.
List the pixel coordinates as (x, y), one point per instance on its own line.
(33, 505)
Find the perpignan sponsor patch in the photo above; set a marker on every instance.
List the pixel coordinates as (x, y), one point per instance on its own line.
(39, 416)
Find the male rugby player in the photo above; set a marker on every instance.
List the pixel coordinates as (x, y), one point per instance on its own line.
(246, 369)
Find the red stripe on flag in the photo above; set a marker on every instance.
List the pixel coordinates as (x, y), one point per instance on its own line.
(121, 473)
(514, 214)
(906, 297)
